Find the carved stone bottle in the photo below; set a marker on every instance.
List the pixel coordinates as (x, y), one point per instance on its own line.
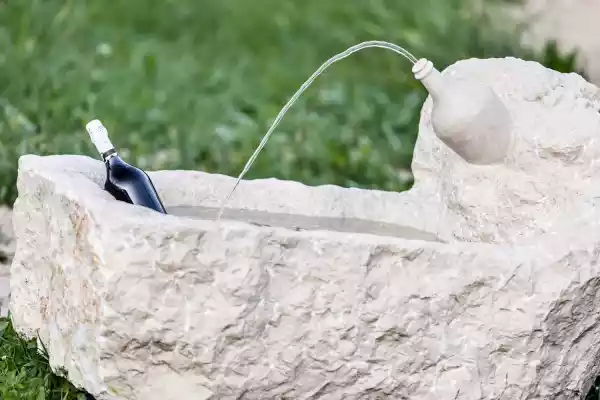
(468, 116)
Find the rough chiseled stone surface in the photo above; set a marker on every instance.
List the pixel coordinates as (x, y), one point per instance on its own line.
(481, 282)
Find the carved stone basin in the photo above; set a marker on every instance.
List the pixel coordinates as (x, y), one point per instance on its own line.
(481, 282)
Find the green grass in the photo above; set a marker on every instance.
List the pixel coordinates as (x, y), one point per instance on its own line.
(194, 84)
(25, 373)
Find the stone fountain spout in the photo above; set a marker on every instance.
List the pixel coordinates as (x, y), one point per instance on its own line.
(468, 116)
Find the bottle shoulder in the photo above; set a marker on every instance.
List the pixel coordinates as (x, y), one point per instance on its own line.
(117, 165)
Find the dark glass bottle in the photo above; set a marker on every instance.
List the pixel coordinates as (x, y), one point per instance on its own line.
(125, 182)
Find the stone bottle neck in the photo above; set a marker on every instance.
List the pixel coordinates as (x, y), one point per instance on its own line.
(430, 77)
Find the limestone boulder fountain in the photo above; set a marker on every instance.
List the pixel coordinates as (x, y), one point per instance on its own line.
(481, 282)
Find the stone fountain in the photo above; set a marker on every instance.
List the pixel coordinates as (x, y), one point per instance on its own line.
(481, 282)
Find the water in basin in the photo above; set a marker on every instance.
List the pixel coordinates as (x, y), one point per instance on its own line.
(301, 222)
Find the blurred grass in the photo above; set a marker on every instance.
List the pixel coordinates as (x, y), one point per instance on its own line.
(185, 84)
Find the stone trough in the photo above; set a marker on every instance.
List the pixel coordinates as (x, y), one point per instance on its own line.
(481, 282)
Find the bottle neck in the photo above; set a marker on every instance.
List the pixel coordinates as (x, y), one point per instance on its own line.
(107, 155)
(430, 77)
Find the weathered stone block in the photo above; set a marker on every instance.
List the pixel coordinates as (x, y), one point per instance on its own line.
(481, 282)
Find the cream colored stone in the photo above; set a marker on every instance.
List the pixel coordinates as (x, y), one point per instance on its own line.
(481, 282)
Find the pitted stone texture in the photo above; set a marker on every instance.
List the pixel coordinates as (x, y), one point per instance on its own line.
(552, 176)
(138, 305)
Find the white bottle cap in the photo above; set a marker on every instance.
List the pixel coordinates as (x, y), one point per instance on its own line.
(99, 136)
